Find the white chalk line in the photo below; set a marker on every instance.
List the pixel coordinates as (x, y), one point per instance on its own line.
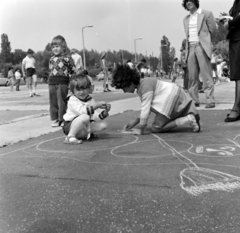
(226, 183)
(175, 152)
(219, 180)
(145, 156)
(209, 146)
(72, 146)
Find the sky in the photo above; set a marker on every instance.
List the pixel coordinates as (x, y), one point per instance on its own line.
(116, 23)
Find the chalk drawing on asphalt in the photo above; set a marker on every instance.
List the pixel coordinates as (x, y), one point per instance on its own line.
(197, 180)
(194, 180)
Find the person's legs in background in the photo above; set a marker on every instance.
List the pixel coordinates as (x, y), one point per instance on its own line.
(29, 85)
(206, 75)
(185, 78)
(34, 78)
(62, 93)
(105, 81)
(53, 102)
(18, 84)
(193, 74)
(12, 83)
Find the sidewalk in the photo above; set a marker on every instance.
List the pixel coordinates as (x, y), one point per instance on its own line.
(24, 128)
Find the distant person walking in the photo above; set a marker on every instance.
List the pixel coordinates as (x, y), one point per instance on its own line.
(11, 78)
(61, 67)
(29, 71)
(200, 28)
(105, 72)
(77, 61)
(18, 78)
(140, 66)
(233, 27)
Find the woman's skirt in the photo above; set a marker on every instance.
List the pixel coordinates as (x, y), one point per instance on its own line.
(234, 57)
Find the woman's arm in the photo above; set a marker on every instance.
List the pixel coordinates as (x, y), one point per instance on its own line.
(234, 23)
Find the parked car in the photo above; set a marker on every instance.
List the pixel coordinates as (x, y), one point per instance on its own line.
(100, 76)
(3, 81)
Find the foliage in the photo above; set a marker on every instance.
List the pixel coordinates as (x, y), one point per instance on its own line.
(5, 49)
(164, 51)
(18, 56)
(221, 33)
(93, 58)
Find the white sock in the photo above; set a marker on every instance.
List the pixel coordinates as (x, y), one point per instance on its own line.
(185, 120)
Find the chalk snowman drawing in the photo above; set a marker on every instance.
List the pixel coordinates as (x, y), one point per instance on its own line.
(197, 180)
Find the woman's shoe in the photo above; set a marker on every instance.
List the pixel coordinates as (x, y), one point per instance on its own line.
(232, 119)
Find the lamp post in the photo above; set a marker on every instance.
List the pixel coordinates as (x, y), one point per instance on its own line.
(140, 38)
(84, 59)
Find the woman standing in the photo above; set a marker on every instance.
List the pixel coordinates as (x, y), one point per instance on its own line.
(233, 27)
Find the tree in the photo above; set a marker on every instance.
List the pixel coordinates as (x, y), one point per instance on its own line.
(172, 54)
(164, 51)
(18, 56)
(221, 33)
(5, 55)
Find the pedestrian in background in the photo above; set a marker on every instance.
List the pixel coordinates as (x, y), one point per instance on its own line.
(18, 78)
(29, 71)
(200, 29)
(105, 72)
(77, 61)
(140, 66)
(11, 78)
(61, 67)
(233, 27)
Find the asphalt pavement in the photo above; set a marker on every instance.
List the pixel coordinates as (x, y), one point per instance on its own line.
(173, 182)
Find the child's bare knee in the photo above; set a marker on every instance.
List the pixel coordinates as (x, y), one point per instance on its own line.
(84, 118)
(103, 125)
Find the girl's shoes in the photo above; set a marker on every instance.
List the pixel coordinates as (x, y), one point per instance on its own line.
(55, 123)
(58, 123)
(72, 140)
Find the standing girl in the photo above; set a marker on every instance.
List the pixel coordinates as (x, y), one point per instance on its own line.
(61, 67)
(171, 104)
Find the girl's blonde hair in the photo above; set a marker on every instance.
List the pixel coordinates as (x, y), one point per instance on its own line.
(79, 81)
(59, 40)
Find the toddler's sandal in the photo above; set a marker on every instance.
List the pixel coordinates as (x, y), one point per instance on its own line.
(72, 140)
